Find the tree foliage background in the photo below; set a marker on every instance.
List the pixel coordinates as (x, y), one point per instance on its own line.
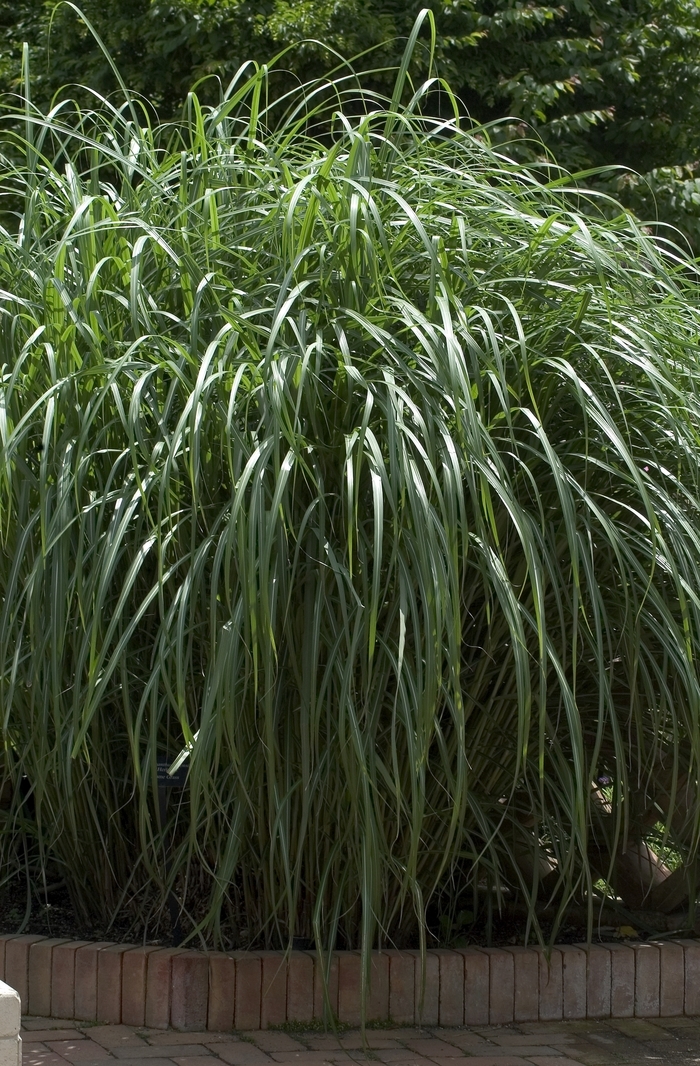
(602, 82)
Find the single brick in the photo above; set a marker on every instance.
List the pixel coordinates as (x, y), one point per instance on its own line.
(402, 987)
(17, 965)
(526, 1001)
(109, 983)
(158, 984)
(273, 1002)
(691, 959)
(427, 998)
(573, 981)
(3, 943)
(672, 979)
(378, 991)
(451, 1011)
(349, 987)
(189, 991)
(39, 980)
(300, 987)
(598, 978)
(325, 985)
(86, 980)
(63, 978)
(646, 981)
(248, 990)
(476, 986)
(222, 992)
(551, 990)
(621, 981)
(134, 972)
(501, 986)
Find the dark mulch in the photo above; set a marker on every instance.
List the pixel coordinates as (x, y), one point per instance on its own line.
(55, 916)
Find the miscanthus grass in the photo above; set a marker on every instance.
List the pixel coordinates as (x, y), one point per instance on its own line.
(362, 465)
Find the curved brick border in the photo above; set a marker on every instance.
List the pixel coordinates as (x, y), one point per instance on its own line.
(161, 987)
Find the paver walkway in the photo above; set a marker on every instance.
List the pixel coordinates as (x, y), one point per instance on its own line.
(635, 1042)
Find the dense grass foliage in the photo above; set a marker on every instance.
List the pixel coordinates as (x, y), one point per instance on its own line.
(364, 468)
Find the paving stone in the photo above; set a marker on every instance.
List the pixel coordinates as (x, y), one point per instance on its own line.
(399, 1032)
(406, 1059)
(51, 1034)
(40, 1056)
(463, 1039)
(337, 1055)
(327, 1042)
(523, 1050)
(242, 1054)
(524, 1039)
(537, 1061)
(216, 1038)
(638, 1029)
(148, 1051)
(78, 1050)
(550, 1027)
(373, 1039)
(111, 1036)
(590, 1056)
(271, 1040)
(487, 1060)
(172, 1039)
(433, 1047)
(136, 1062)
(188, 1060)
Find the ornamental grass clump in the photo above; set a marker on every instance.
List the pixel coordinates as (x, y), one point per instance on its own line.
(360, 466)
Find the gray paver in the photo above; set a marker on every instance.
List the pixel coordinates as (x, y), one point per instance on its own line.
(630, 1042)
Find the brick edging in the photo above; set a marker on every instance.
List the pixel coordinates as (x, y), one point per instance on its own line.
(195, 990)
